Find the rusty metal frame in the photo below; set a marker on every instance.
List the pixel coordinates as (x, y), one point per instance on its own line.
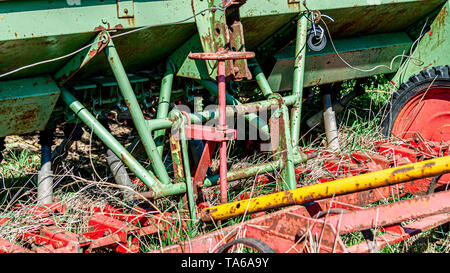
(295, 229)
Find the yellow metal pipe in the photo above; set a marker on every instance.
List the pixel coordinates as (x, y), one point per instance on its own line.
(429, 168)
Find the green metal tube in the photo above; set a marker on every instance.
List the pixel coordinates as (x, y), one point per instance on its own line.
(169, 190)
(136, 113)
(290, 100)
(290, 181)
(262, 80)
(199, 117)
(299, 72)
(163, 105)
(252, 118)
(187, 169)
(158, 190)
(109, 140)
(136, 146)
(159, 124)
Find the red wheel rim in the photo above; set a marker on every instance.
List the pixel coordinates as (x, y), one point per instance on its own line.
(428, 113)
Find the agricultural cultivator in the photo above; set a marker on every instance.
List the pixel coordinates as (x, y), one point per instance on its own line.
(196, 77)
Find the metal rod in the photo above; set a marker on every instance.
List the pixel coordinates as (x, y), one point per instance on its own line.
(339, 187)
(261, 80)
(241, 109)
(159, 124)
(299, 72)
(337, 106)
(290, 181)
(136, 113)
(329, 121)
(187, 170)
(223, 127)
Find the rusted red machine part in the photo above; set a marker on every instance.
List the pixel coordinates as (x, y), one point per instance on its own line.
(432, 210)
(108, 228)
(427, 113)
(221, 57)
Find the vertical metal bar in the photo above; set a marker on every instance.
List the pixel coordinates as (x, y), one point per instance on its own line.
(222, 126)
(163, 105)
(187, 171)
(299, 72)
(329, 120)
(289, 171)
(45, 175)
(136, 113)
(120, 175)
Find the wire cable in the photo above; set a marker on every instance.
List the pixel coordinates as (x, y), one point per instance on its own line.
(390, 67)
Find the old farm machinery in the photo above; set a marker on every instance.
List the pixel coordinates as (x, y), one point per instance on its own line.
(157, 64)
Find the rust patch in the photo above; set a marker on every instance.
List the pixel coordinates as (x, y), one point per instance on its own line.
(402, 170)
(99, 28)
(131, 22)
(440, 19)
(92, 53)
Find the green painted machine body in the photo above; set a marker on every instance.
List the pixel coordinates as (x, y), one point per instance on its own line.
(32, 31)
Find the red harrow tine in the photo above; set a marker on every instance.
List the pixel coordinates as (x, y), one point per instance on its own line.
(8, 247)
(109, 228)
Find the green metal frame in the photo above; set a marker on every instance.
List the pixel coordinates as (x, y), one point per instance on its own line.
(296, 67)
(432, 50)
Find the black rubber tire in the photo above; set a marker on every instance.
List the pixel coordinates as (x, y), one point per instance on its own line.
(416, 84)
(247, 241)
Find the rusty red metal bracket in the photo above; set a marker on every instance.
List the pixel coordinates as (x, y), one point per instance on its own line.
(295, 229)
